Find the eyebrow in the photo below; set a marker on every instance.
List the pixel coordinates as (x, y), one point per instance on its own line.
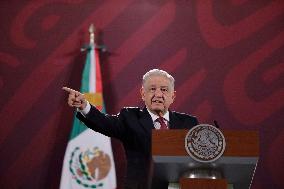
(164, 86)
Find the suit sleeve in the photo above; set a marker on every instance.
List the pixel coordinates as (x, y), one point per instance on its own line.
(195, 120)
(109, 125)
(191, 121)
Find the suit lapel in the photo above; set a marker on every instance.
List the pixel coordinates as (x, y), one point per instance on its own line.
(175, 123)
(146, 120)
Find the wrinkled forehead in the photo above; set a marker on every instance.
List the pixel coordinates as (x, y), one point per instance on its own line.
(157, 81)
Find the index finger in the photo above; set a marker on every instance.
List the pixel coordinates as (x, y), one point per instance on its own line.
(69, 90)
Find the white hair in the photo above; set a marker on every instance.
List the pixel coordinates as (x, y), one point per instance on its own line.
(157, 72)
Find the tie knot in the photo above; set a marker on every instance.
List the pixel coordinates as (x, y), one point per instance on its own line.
(160, 119)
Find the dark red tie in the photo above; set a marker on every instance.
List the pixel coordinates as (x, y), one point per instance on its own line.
(162, 123)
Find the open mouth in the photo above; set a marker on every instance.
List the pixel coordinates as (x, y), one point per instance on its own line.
(157, 101)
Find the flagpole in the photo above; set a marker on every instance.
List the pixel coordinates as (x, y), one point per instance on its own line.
(92, 34)
(92, 31)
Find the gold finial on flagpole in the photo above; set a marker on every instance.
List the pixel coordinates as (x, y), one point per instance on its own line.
(92, 34)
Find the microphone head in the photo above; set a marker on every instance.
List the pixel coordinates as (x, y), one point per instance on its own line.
(216, 124)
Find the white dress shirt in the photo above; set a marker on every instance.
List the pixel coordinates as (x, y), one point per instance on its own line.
(154, 117)
(85, 110)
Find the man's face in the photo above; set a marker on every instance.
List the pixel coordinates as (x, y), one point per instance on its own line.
(158, 94)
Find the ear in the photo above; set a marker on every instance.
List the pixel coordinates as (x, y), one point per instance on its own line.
(142, 93)
(174, 95)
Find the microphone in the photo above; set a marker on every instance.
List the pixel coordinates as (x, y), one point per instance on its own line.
(216, 124)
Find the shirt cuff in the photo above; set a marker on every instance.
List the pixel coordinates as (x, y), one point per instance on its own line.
(86, 110)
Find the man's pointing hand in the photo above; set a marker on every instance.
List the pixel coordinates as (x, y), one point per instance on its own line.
(75, 98)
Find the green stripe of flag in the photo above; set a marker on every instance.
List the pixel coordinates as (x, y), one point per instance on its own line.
(78, 126)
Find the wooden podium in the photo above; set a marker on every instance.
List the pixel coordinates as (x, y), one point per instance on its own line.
(237, 165)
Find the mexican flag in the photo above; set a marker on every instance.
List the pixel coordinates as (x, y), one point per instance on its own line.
(88, 161)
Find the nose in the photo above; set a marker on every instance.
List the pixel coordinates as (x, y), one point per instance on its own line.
(158, 93)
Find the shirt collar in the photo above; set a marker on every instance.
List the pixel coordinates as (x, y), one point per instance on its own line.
(154, 117)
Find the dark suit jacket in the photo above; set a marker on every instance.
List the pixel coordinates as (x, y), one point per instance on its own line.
(133, 127)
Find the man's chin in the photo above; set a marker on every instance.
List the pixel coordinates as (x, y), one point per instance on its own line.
(158, 111)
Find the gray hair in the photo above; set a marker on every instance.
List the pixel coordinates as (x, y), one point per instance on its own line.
(157, 72)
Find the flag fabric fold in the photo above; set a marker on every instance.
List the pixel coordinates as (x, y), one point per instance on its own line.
(88, 160)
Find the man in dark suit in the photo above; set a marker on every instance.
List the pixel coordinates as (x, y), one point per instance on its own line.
(133, 126)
